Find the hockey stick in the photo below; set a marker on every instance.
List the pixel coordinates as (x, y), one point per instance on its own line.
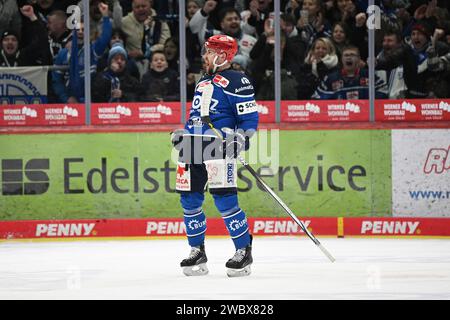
(206, 100)
(286, 208)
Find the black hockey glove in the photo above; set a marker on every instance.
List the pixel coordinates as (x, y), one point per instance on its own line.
(235, 143)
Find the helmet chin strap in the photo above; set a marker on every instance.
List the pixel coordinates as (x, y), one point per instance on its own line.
(217, 66)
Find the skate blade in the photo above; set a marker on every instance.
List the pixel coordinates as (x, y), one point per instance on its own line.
(198, 270)
(234, 273)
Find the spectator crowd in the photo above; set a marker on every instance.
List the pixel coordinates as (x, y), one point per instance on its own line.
(324, 46)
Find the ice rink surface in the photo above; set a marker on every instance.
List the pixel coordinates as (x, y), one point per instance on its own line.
(283, 268)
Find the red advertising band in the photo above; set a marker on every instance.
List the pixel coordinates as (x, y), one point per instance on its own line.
(173, 227)
(310, 111)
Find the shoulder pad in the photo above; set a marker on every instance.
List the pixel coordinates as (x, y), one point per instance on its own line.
(237, 83)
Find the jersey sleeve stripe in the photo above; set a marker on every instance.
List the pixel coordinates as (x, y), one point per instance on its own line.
(239, 95)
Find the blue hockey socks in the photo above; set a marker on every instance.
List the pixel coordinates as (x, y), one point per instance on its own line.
(234, 218)
(194, 218)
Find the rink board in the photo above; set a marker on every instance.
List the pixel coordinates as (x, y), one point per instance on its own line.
(169, 228)
(292, 111)
(118, 182)
(133, 174)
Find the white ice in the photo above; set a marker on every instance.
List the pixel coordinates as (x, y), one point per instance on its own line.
(284, 268)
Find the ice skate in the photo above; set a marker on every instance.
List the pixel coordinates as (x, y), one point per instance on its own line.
(195, 264)
(240, 264)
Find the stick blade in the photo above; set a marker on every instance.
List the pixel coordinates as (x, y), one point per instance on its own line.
(325, 251)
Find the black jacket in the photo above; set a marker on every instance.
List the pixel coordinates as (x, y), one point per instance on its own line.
(34, 54)
(308, 82)
(402, 56)
(106, 81)
(158, 86)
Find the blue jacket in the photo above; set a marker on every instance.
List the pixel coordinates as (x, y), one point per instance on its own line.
(61, 79)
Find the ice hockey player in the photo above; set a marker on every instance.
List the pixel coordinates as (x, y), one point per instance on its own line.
(224, 116)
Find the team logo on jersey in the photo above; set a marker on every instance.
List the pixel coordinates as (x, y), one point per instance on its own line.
(245, 81)
(221, 81)
(246, 107)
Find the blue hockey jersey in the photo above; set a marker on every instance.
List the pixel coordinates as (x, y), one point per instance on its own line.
(339, 86)
(232, 105)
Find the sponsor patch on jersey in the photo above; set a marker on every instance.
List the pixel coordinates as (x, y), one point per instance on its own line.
(221, 81)
(183, 178)
(221, 173)
(239, 90)
(246, 107)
